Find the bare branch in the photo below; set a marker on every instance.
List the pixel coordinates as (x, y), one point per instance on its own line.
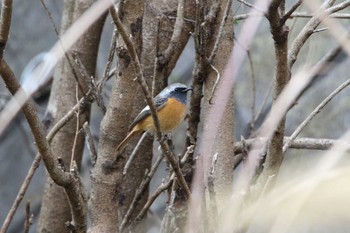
(21, 193)
(212, 194)
(90, 143)
(60, 177)
(310, 27)
(163, 186)
(221, 29)
(36, 126)
(89, 81)
(252, 75)
(140, 190)
(251, 6)
(279, 33)
(5, 24)
(310, 15)
(133, 154)
(168, 53)
(28, 219)
(107, 72)
(50, 17)
(290, 12)
(298, 143)
(218, 76)
(314, 113)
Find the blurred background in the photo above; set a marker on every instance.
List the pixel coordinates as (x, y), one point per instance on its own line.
(32, 33)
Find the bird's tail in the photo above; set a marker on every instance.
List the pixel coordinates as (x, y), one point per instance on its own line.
(126, 140)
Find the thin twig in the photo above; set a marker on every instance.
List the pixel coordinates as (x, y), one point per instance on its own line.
(76, 129)
(140, 190)
(310, 15)
(133, 154)
(264, 102)
(253, 78)
(168, 224)
(218, 76)
(320, 30)
(5, 24)
(60, 42)
(309, 28)
(169, 52)
(314, 113)
(290, 12)
(60, 177)
(293, 15)
(21, 193)
(28, 219)
(163, 186)
(298, 143)
(251, 6)
(90, 143)
(89, 81)
(221, 30)
(156, 74)
(153, 197)
(84, 101)
(36, 164)
(50, 17)
(322, 67)
(212, 194)
(108, 71)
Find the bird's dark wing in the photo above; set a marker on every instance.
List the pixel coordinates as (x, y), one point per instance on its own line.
(159, 103)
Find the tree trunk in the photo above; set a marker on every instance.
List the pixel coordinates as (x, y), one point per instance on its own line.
(55, 210)
(222, 177)
(274, 154)
(109, 196)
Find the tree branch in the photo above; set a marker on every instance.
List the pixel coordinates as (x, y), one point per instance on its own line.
(163, 186)
(60, 177)
(290, 12)
(310, 27)
(298, 143)
(314, 113)
(279, 33)
(5, 24)
(169, 52)
(221, 29)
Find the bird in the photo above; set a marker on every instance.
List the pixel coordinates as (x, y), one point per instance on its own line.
(171, 105)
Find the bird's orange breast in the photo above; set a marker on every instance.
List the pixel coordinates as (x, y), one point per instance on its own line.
(170, 116)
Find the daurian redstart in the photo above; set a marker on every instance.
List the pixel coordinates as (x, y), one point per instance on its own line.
(171, 111)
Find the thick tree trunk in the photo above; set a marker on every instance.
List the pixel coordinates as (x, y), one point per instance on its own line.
(55, 210)
(222, 177)
(112, 193)
(109, 194)
(280, 33)
(213, 13)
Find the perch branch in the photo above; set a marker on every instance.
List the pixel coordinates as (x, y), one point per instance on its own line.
(298, 143)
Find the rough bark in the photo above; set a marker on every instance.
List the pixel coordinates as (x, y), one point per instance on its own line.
(108, 194)
(111, 193)
(224, 141)
(279, 33)
(55, 211)
(209, 16)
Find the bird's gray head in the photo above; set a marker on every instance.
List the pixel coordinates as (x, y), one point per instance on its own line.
(176, 90)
